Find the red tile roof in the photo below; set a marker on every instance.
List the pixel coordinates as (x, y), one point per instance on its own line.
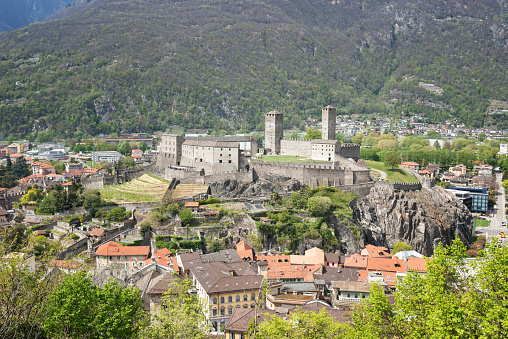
(356, 260)
(376, 251)
(386, 264)
(192, 204)
(416, 264)
(293, 272)
(96, 232)
(113, 248)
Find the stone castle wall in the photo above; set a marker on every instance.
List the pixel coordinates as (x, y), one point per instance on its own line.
(297, 147)
(350, 151)
(243, 176)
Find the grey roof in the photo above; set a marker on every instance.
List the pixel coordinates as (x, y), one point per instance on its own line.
(274, 112)
(231, 138)
(351, 286)
(407, 254)
(228, 256)
(338, 274)
(300, 287)
(220, 277)
(334, 257)
(210, 143)
(323, 141)
(107, 153)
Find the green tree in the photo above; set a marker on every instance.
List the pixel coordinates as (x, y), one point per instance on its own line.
(92, 201)
(118, 214)
(20, 169)
(79, 309)
(186, 216)
(299, 325)
(401, 246)
(180, 314)
(127, 162)
(142, 146)
(319, 205)
(312, 133)
(392, 160)
(124, 147)
(436, 145)
(33, 195)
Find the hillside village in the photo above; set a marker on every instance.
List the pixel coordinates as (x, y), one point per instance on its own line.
(162, 216)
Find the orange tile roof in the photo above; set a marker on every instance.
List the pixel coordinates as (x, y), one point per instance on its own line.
(293, 272)
(356, 260)
(275, 260)
(409, 163)
(96, 232)
(376, 251)
(192, 204)
(136, 155)
(162, 257)
(386, 264)
(416, 264)
(16, 155)
(113, 248)
(68, 183)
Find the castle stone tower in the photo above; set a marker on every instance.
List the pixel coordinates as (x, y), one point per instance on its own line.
(328, 121)
(273, 131)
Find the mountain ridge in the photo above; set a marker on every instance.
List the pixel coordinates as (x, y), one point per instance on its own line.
(121, 66)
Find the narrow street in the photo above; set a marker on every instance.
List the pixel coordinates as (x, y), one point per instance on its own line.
(499, 215)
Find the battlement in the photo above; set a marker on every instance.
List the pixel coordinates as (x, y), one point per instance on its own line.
(308, 165)
(349, 145)
(407, 186)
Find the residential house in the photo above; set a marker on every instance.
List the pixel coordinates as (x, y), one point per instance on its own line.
(42, 168)
(292, 273)
(109, 156)
(73, 166)
(349, 292)
(433, 167)
(222, 287)
(238, 325)
(131, 257)
(372, 251)
(245, 252)
(411, 165)
(458, 170)
(356, 261)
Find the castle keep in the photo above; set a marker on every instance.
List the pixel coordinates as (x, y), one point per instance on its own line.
(324, 149)
(206, 160)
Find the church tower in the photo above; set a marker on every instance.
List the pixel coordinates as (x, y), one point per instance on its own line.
(328, 122)
(273, 131)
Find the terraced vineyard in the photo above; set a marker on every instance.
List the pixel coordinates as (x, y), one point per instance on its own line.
(146, 188)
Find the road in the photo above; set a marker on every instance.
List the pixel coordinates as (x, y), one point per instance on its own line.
(383, 174)
(499, 215)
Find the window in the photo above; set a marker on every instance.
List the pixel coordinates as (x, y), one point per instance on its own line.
(245, 306)
(222, 300)
(229, 161)
(245, 297)
(222, 311)
(237, 298)
(252, 306)
(230, 299)
(214, 312)
(349, 295)
(230, 310)
(214, 301)
(220, 161)
(253, 296)
(140, 257)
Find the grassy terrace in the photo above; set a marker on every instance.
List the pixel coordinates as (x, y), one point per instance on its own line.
(397, 174)
(146, 188)
(285, 158)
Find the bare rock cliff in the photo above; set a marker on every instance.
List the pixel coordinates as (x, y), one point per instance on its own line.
(422, 218)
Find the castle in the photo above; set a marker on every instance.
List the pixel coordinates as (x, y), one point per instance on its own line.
(324, 149)
(212, 159)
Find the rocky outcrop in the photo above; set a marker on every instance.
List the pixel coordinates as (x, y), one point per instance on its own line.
(261, 188)
(422, 218)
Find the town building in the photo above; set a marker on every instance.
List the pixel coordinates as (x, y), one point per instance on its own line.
(131, 257)
(109, 156)
(479, 195)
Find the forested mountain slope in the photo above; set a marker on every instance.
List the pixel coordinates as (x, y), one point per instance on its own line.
(18, 13)
(125, 65)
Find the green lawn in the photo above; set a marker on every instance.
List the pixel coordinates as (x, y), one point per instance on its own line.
(482, 222)
(397, 174)
(286, 158)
